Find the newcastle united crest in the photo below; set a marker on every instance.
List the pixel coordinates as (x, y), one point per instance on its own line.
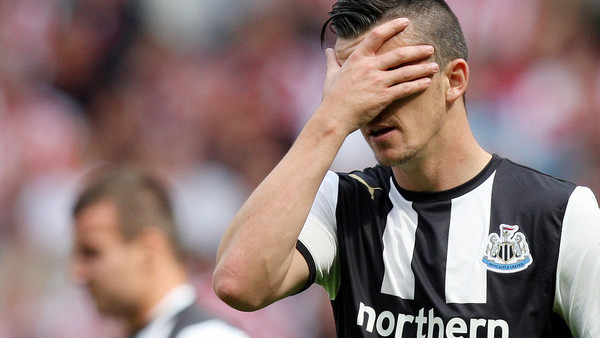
(508, 252)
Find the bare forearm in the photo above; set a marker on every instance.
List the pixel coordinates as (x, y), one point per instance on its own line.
(258, 247)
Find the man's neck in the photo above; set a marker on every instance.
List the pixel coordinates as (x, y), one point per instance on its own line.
(440, 174)
(452, 162)
(162, 285)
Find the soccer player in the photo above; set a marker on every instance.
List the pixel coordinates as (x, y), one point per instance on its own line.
(127, 254)
(441, 239)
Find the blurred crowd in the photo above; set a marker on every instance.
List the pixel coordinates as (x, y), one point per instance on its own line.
(210, 94)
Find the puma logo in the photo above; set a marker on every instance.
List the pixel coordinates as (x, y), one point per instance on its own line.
(370, 188)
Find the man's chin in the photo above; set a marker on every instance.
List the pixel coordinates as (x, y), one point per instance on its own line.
(396, 160)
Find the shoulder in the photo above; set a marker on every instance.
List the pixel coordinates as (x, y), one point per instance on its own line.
(582, 220)
(530, 185)
(373, 178)
(211, 328)
(342, 185)
(372, 175)
(528, 176)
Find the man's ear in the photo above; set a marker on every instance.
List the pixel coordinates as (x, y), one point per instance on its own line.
(153, 242)
(457, 75)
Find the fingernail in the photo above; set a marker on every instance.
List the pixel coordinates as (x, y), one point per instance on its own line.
(402, 21)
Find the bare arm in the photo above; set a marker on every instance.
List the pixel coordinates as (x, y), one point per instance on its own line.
(257, 262)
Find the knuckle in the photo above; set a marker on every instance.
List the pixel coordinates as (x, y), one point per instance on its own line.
(404, 89)
(399, 53)
(408, 73)
(377, 78)
(383, 98)
(376, 33)
(389, 97)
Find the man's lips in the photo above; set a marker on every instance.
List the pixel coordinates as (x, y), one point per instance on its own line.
(376, 132)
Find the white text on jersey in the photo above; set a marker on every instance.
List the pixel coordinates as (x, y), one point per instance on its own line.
(386, 324)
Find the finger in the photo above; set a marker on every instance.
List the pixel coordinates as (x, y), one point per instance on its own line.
(411, 72)
(380, 34)
(332, 63)
(404, 89)
(399, 56)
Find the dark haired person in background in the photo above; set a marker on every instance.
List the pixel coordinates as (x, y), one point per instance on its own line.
(441, 239)
(128, 256)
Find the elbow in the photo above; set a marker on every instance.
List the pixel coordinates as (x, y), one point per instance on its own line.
(237, 292)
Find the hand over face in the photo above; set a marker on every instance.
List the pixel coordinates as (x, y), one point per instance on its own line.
(363, 79)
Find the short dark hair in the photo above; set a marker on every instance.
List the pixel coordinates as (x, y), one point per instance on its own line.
(142, 200)
(435, 23)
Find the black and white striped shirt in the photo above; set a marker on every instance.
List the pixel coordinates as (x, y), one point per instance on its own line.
(177, 316)
(511, 253)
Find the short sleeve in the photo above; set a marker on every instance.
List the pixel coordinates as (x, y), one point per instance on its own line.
(577, 296)
(319, 235)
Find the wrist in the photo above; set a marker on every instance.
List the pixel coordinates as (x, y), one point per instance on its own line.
(331, 123)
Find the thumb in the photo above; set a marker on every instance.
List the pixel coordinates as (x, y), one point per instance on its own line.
(332, 62)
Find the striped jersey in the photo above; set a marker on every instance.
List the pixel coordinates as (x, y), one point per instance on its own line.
(511, 253)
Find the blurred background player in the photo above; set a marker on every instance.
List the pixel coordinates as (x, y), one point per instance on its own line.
(127, 254)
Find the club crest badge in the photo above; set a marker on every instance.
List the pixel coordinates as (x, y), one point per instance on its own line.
(508, 252)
